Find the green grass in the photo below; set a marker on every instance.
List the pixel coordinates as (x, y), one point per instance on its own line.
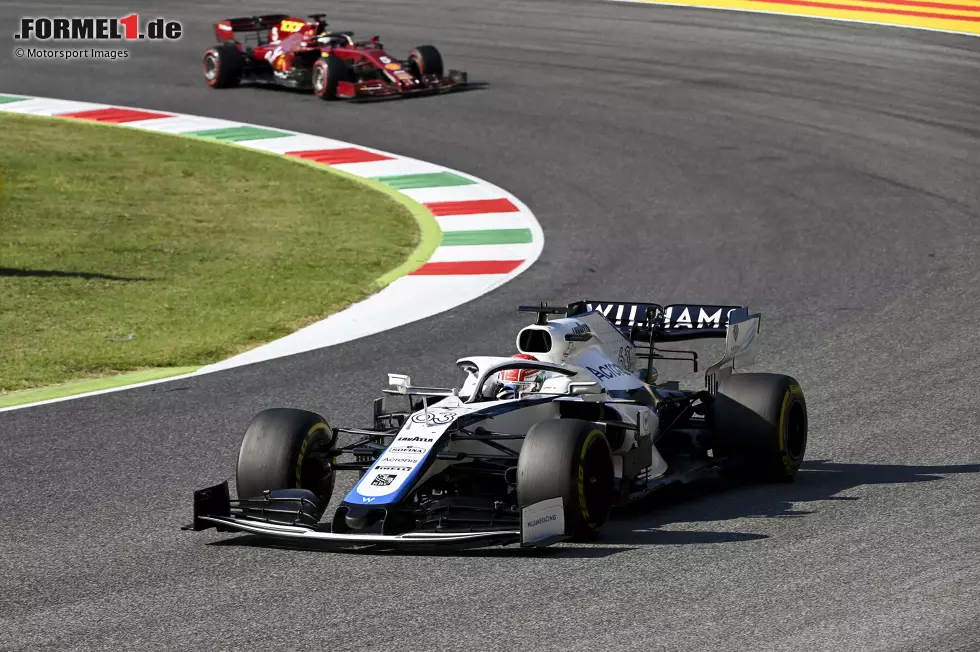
(200, 250)
(90, 385)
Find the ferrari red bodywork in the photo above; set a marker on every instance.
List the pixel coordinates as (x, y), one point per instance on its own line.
(289, 51)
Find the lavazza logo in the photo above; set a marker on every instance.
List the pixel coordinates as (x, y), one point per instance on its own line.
(402, 440)
(105, 30)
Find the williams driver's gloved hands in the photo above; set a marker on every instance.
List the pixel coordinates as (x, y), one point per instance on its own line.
(506, 391)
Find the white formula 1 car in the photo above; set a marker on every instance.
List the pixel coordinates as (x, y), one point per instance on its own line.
(531, 449)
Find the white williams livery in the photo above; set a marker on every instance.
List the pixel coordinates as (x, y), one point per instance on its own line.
(531, 449)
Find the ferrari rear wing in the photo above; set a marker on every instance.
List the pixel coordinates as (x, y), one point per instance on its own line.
(251, 23)
(651, 322)
(225, 30)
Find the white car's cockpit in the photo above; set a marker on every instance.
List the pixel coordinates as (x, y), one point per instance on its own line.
(487, 378)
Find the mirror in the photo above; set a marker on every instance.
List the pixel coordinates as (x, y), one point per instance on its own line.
(400, 382)
(577, 389)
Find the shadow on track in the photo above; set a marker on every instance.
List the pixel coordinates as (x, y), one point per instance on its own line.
(462, 88)
(639, 524)
(818, 480)
(54, 273)
(571, 552)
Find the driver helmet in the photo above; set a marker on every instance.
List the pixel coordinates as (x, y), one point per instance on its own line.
(317, 25)
(513, 382)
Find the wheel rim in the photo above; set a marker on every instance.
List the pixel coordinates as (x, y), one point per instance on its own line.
(319, 79)
(796, 432)
(597, 476)
(210, 67)
(316, 472)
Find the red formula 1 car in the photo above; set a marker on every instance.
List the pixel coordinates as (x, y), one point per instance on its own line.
(303, 54)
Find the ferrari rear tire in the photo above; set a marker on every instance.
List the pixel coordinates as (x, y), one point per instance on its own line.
(760, 420)
(285, 448)
(425, 60)
(568, 459)
(327, 74)
(223, 66)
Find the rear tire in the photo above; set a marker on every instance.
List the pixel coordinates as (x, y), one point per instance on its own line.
(425, 60)
(761, 421)
(285, 448)
(568, 459)
(223, 66)
(326, 76)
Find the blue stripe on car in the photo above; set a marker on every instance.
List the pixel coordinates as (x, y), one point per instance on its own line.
(406, 487)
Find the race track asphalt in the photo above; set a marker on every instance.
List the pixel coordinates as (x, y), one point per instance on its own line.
(827, 174)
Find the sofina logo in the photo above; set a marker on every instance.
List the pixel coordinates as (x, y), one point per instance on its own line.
(406, 449)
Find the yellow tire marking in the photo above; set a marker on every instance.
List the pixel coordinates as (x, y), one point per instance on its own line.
(581, 479)
(302, 450)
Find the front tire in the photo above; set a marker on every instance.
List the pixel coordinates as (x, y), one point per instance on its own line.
(326, 76)
(425, 60)
(761, 421)
(285, 448)
(223, 66)
(568, 459)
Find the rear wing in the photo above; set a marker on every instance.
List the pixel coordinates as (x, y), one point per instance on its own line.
(225, 30)
(645, 323)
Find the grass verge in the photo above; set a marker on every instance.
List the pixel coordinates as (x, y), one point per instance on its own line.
(91, 385)
(123, 250)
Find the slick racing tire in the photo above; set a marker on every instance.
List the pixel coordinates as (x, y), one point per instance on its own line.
(761, 422)
(568, 459)
(425, 60)
(285, 448)
(327, 74)
(223, 66)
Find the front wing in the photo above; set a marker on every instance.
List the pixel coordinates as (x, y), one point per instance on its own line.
(541, 524)
(378, 89)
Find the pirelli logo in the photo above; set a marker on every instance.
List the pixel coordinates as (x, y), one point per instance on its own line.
(126, 28)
